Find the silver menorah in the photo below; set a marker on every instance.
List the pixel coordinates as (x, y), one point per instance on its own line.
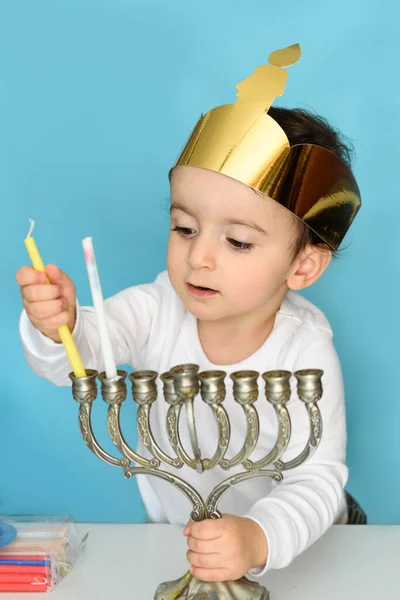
(181, 385)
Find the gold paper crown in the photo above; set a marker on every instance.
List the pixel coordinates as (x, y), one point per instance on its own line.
(243, 142)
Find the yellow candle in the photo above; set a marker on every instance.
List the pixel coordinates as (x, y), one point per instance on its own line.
(63, 331)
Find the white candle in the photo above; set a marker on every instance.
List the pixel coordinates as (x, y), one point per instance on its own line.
(98, 304)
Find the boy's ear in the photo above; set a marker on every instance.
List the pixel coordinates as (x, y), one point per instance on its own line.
(308, 267)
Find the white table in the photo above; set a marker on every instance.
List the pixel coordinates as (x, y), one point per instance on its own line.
(129, 561)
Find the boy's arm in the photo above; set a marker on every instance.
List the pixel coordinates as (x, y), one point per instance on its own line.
(129, 316)
(305, 504)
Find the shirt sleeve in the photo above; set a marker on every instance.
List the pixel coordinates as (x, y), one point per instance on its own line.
(305, 504)
(129, 317)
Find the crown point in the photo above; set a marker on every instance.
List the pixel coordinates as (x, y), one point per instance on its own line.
(285, 57)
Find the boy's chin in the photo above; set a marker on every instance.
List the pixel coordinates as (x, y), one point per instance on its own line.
(201, 312)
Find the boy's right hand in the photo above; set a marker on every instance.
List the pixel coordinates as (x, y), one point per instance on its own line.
(48, 305)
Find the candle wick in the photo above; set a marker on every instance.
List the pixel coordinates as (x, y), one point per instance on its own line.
(32, 222)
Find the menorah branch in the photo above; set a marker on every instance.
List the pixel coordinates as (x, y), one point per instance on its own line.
(313, 440)
(199, 508)
(146, 435)
(250, 441)
(283, 437)
(172, 428)
(224, 432)
(115, 431)
(223, 487)
(85, 393)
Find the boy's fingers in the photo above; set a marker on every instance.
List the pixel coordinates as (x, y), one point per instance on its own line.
(51, 324)
(205, 561)
(203, 546)
(209, 529)
(47, 308)
(58, 277)
(29, 276)
(48, 298)
(38, 293)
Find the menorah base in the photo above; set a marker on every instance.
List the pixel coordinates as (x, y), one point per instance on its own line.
(190, 588)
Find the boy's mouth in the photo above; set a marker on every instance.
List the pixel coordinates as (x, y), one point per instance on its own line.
(200, 291)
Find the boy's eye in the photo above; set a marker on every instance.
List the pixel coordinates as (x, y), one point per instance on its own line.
(239, 245)
(184, 231)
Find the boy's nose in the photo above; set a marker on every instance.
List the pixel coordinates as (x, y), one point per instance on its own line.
(201, 254)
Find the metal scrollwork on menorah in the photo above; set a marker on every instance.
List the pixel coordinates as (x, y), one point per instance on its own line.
(181, 385)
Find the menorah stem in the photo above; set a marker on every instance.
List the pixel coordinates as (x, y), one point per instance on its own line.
(186, 387)
(313, 440)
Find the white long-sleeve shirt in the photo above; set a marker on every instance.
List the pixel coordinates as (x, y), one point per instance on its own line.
(151, 329)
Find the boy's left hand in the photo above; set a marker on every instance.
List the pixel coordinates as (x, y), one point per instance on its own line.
(225, 549)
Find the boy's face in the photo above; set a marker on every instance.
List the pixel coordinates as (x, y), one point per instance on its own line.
(229, 248)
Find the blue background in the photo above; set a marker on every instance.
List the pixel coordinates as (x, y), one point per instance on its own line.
(96, 100)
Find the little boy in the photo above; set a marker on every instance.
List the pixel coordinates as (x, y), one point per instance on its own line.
(260, 200)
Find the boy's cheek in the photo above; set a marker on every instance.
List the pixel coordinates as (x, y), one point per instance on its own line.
(175, 256)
